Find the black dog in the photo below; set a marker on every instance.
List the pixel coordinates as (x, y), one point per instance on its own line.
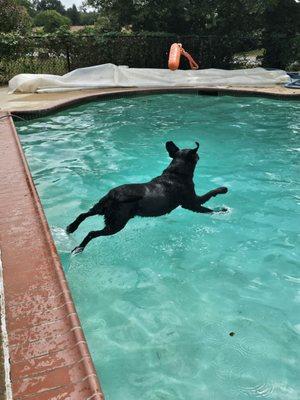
(173, 188)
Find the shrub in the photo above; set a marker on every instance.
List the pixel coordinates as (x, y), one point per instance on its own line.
(51, 20)
(103, 24)
(281, 50)
(281, 25)
(64, 50)
(14, 17)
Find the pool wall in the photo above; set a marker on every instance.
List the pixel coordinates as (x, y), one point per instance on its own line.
(48, 353)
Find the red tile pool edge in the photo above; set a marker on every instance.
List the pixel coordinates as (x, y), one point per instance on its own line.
(48, 353)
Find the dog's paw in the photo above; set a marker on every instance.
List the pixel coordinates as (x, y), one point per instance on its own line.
(223, 190)
(77, 250)
(221, 210)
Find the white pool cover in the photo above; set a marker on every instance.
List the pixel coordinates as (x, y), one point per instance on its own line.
(110, 75)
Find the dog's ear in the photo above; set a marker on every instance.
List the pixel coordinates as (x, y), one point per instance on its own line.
(196, 148)
(171, 149)
(192, 152)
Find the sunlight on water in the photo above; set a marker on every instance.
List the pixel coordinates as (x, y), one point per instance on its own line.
(158, 300)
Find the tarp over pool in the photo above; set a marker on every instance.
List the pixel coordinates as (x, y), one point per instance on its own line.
(110, 75)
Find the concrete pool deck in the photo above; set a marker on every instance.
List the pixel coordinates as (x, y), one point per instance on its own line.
(48, 354)
(20, 103)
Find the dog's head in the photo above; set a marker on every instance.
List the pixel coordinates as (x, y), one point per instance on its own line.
(188, 156)
(184, 161)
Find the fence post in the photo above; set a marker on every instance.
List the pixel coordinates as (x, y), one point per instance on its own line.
(68, 58)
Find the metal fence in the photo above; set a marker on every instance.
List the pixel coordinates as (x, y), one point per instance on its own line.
(59, 54)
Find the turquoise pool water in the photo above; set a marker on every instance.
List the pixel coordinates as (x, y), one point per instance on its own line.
(158, 300)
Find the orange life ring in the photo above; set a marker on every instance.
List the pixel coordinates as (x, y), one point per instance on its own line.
(175, 53)
(174, 56)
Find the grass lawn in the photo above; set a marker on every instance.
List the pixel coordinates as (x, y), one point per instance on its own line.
(248, 59)
(251, 53)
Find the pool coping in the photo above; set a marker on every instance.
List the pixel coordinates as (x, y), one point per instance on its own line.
(46, 299)
(34, 105)
(48, 353)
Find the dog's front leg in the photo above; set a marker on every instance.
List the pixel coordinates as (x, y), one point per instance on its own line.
(195, 205)
(204, 198)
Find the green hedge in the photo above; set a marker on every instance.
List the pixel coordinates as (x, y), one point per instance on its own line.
(62, 51)
(281, 51)
(57, 53)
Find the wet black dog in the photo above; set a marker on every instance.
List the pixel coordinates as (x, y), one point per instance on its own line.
(173, 188)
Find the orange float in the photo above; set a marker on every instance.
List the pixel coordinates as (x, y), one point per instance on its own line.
(176, 50)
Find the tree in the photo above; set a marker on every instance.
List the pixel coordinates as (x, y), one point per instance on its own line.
(281, 25)
(43, 5)
(103, 24)
(51, 20)
(14, 17)
(74, 15)
(282, 16)
(118, 12)
(163, 16)
(28, 5)
(147, 15)
(88, 17)
(183, 16)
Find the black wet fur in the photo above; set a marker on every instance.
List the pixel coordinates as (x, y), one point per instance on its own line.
(173, 188)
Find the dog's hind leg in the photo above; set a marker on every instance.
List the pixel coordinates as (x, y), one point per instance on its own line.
(116, 217)
(97, 209)
(106, 231)
(74, 225)
(204, 198)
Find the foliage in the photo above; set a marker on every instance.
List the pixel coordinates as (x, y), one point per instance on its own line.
(51, 20)
(184, 16)
(213, 31)
(295, 64)
(147, 49)
(74, 15)
(88, 18)
(44, 5)
(281, 26)
(247, 19)
(14, 17)
(104, 24)
(10, 68)
(28, 6)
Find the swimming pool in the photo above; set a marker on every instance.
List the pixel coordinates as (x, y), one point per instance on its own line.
(158, 300)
